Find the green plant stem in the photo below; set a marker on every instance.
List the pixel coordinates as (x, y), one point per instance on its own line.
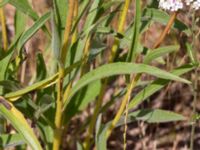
(99, 102)
(58, 115)
(4, 31)
(75, 33)
(5, 47)
(134, 81)
(67, 32)
(74, 39)
(59, 102)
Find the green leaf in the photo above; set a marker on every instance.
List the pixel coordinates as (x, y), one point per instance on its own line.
(24, 6)
(13, 96)
(77, 49)
(152, 55)
(151, 116)
(82, 9)
(100, 136)
(191, 53)
(92, 14)
(32, 30)
(136, 30)
(83, 98)
(20, 22)
(46, 132)
(96, 48)
(5, 61)
(11, 140)
(155, 116)
(90, 94)
(41, 67)
(157, 85)
(121, 68)
(60, 10)
(56, 42)
(18, 121)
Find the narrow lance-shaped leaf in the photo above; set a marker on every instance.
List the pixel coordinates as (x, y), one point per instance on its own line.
(31, 31)
(121, 68)
(152, 116)
(24, 7)
(157, 85)
(152, 55)
(18, 121)
(4, 65)
(147, 115)
(191, 53)
(5, 61)
(56, 42)
(100, 138)
(13, 96)
(20, 22)
(136, 29)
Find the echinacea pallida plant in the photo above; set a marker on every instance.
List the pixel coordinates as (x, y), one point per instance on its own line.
(76, 33)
